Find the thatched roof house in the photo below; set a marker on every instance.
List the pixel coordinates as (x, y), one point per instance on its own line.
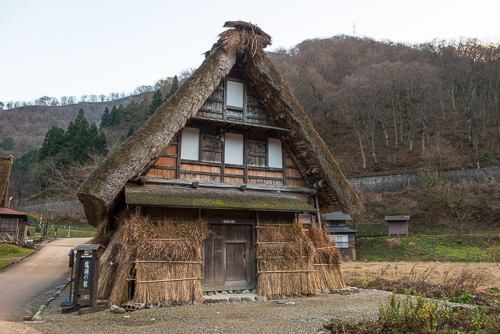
(232, 147)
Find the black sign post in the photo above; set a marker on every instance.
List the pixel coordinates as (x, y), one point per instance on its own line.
(83, 288)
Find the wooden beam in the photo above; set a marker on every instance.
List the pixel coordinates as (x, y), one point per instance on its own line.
(209, 184)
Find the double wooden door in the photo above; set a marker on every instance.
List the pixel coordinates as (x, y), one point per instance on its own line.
(228, 258)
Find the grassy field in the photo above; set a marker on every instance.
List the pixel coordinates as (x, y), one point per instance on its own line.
(487, 275)
(444, 247)
(62, 232)
(9, 253)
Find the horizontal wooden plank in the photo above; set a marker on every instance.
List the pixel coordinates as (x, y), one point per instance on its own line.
(171, 150)
(166, 161)
(161, 173)
(292, 172)
(234, 171)
(233, 179)
(295, 183)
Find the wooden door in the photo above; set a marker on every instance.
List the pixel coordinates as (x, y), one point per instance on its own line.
(228, 258)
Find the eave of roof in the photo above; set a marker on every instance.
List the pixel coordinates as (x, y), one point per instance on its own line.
(396, 218)
(187, 197)
(336, 216)
(340, 229)
(12, 213)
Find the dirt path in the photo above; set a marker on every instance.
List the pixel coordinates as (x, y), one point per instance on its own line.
(24, 281)
(304, 315)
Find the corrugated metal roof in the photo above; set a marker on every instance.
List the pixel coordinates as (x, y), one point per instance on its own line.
(178, 197)
(336, 216)
(396, 218)
(340, 229)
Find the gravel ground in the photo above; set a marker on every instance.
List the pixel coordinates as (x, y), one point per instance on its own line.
(305, 316)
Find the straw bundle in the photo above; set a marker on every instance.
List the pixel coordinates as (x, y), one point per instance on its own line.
(327, 261)
(165, 258)
(284, 261)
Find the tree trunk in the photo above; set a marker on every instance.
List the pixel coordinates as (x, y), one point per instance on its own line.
(360, 142)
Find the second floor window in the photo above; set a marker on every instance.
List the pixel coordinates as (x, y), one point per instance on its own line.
(190, 145)
(234, 94)
(233, 151)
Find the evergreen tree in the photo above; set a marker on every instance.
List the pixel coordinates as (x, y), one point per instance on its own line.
(54, 143)
(114, 117)
(97, 140)
(156, 101)
(175, 86)
(78, 139)
(130, 131)
(105, 119)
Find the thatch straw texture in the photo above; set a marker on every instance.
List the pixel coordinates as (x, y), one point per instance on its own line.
(327, 261)
(284, 261)
(165, 258)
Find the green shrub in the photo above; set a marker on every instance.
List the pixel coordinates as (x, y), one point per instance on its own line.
(466, 298)
(406, 314)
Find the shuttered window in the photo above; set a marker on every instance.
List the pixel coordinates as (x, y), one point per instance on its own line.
(234, 94)
(275, 153)
(190, 145)
(233, 151)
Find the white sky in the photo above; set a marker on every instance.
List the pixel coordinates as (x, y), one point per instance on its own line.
(69, 47)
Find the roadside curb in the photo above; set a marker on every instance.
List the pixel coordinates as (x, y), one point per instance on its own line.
(38, 315)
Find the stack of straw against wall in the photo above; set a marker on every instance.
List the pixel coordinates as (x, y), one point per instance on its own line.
(284, 261)
(165, 257)
(327, 261)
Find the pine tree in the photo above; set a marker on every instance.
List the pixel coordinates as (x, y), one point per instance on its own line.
(97, 140)
(105, 119)
(54, 143)
(130, 131)
(156, 101)
(175, 86)
(78, 139)
(114, 117)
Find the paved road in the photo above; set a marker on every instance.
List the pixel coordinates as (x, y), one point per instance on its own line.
(26, 280)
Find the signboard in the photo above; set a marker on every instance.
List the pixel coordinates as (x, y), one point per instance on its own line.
(85, 267)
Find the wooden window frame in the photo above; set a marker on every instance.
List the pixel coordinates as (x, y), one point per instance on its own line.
(228, 107)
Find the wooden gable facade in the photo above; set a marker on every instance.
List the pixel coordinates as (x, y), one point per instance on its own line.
(232, 148)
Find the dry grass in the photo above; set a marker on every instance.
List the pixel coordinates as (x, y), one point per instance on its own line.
(284, 261)
(327, 261)
(138, 239)
(429, 278)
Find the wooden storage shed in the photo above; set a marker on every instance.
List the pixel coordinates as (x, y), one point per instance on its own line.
(13, 224)
(398, 225)
(211, 192)
(343, 236)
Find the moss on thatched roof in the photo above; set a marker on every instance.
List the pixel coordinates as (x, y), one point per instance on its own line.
(5, 168)
(244, 42)
(183, 197)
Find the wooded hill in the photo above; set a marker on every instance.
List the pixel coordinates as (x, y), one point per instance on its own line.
(382, 108)
(391, 108)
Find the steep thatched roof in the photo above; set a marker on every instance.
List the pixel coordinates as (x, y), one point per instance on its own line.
(5, 167)
(244, 42)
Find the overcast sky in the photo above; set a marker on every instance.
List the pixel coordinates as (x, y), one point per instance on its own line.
(69, 47)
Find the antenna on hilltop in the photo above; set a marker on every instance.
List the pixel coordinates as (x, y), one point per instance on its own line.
(354, 29)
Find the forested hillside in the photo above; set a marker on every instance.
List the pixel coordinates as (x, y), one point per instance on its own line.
(384, 107)
(26, 126)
